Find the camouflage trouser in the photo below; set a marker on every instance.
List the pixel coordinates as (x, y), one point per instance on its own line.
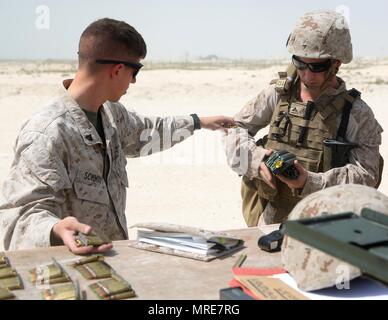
(252, 204)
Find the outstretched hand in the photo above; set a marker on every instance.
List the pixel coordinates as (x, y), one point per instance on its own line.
(67, 228)
(217, 123)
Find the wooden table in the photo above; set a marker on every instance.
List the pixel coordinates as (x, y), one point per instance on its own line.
(152, 275)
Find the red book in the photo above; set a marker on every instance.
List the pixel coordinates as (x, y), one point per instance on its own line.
(238, 271)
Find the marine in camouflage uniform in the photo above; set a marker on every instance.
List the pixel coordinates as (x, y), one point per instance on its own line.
(65, 166)
(58, 170)
(311, 268)
(319, 37)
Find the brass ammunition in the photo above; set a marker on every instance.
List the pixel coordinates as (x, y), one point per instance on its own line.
(69, 291)
(92, 239)
(5, 294)
(50, 274)
(115, 288)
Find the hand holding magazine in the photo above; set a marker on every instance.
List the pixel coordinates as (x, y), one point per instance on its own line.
(184, 241)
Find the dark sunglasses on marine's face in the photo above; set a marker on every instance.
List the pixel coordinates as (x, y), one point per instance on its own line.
(313, 67)
(134, 65)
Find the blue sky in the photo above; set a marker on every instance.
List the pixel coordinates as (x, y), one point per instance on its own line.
(175, 29)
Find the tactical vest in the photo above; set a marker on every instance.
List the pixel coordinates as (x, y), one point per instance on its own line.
(301, 128)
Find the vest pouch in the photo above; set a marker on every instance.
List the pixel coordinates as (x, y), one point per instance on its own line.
(309, 164)
(336, 153)
(252, 204)
(264, 190)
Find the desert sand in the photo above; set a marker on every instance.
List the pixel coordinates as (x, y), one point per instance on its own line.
(191, 183)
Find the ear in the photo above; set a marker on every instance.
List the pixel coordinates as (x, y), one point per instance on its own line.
(116, 69)
(338, 63)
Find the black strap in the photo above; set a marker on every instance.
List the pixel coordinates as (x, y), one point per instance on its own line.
(282, 115)
(343, 127)
(197, 121)
(307, 115)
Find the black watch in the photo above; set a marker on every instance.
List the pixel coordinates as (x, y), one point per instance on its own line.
(197, 121)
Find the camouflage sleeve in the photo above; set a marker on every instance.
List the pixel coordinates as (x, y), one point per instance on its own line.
(242, 153)
(364, 163)
(142, 136)
(32, 196)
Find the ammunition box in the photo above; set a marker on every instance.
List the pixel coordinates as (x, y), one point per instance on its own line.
(4, 262)
(93, 267)
(69, 291)
(92, 239)
(114, 288)
(7, 272)
(11, 283)
(5, 294)
(49, 274)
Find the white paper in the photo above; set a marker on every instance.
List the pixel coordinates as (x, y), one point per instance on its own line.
(359, 289)
(177, 246)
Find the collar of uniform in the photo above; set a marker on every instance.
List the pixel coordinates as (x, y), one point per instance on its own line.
(107, 121)
(87, 130)
(330, 93)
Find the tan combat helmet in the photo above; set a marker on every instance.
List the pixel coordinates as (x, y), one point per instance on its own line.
(312, 269)
(321, 34)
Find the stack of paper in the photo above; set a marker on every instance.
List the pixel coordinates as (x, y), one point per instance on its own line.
(277, 284)
(185, 241)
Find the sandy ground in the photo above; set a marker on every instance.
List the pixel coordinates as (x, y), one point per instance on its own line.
(191, 183)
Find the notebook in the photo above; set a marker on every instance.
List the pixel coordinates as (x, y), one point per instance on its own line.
(185, 241)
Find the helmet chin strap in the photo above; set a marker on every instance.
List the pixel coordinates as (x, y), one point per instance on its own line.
(333, 70)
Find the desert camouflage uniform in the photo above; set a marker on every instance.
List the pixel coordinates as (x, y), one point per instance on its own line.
(311, 268)
(363, 129)
(62, 168)
(321, 35)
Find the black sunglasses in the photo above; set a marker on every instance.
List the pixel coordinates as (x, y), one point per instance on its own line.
(135, 65)
(313, 67)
